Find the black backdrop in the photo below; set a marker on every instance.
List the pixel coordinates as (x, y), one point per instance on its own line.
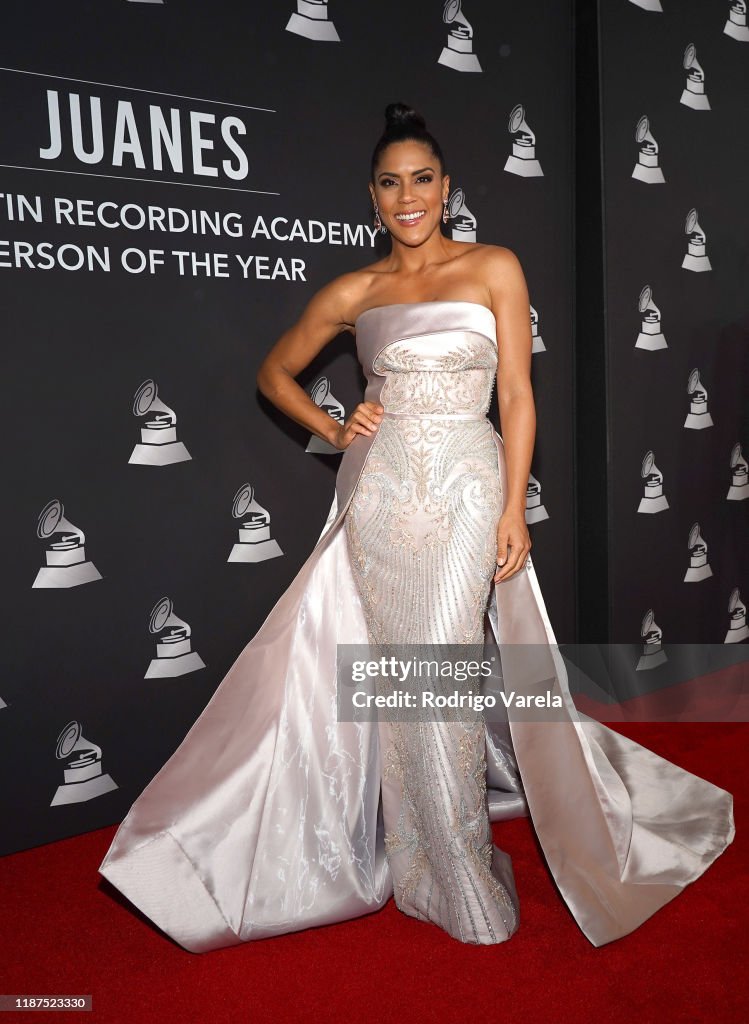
(703, 156)
(80, 343)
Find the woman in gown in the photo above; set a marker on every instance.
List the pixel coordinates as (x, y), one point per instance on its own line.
(274, 814)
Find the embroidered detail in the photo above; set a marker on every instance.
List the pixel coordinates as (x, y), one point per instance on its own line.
(459, 378)
(422, 529)
(421, 532)
(459, 864)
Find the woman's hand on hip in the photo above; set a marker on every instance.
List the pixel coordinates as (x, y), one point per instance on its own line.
(365, 419)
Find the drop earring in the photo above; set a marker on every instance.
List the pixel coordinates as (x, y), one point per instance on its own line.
(379, 226)
(445, 217)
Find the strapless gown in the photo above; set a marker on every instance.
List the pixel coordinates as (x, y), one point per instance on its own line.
(273, 815)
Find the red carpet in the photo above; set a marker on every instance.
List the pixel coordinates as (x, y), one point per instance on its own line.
(67, 931)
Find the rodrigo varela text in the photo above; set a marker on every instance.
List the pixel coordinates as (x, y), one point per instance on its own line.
(474, 701)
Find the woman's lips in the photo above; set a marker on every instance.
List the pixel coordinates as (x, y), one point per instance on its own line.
(412, 220)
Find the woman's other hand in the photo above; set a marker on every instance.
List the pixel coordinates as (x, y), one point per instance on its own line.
(513, 544)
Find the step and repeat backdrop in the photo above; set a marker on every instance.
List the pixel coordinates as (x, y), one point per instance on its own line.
(675, 133)
(176, 181)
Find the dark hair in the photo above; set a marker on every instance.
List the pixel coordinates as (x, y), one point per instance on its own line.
(403, 122)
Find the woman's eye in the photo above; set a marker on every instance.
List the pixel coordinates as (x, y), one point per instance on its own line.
(389, 181)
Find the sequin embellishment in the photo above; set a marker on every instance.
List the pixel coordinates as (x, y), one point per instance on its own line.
(421, 531)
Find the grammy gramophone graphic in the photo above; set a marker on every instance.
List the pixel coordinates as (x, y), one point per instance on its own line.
(311, 21)
(534, 509)
(158, 438)
(522, 160)
(699, 567)
(695, 258)
(255, 542)
(736, 26)
(737, 629)
(651, 635)
(650, 337)
(82, 775)
(321, 395)
(653, 500)
(464, 223)
(65, 552)
(739, 489)
(647, 168)
(648, 5)
(174, 654)
(694, 94)
(458, 54)
(698, 416)
(538, 341)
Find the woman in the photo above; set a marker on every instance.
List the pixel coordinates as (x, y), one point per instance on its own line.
(409, 192)
(278, 813)
(424, 528)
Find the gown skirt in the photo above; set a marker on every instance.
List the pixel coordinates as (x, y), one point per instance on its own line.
(275, 814)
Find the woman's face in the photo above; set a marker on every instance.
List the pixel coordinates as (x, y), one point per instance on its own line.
(410, 191)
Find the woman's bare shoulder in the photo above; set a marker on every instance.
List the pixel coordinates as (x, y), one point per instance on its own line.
(348, 292)
(499, 268)
(494, 257)
(338, 297)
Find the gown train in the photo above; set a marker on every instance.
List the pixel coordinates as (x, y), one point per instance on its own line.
(273, 816)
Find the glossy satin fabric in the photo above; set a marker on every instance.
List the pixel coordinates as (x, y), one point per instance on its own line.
(267, 818)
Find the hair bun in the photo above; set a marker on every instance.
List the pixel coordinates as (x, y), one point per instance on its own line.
(401, 115)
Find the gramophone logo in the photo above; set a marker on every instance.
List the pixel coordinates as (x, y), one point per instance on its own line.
(534, 509)
(82, 774)
(737, 629)
(158, 438)
(651, 635)
(65, 553)
(736, 26)
(2, 704)
(695, 258)
(255, 542)
(650, 337)
(311, 21)
(699, 568)
(522, 160)
(538, 341)
(464, 226)
(174, 654)
(698, 416)
(653, 500)
(648, 5)
(739, 489)
(458, 53)
(145, 1)
(694, 94)
(321, 395)
(647, 168)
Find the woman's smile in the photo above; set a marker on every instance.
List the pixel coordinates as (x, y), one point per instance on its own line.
(408, 219)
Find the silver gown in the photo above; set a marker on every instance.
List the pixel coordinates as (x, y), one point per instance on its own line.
(273, 815)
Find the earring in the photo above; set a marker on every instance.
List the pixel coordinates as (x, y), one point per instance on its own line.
(445, 217)
(379, 226)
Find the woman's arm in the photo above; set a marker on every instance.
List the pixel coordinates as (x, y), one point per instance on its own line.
(327, 314)
(511, 307)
